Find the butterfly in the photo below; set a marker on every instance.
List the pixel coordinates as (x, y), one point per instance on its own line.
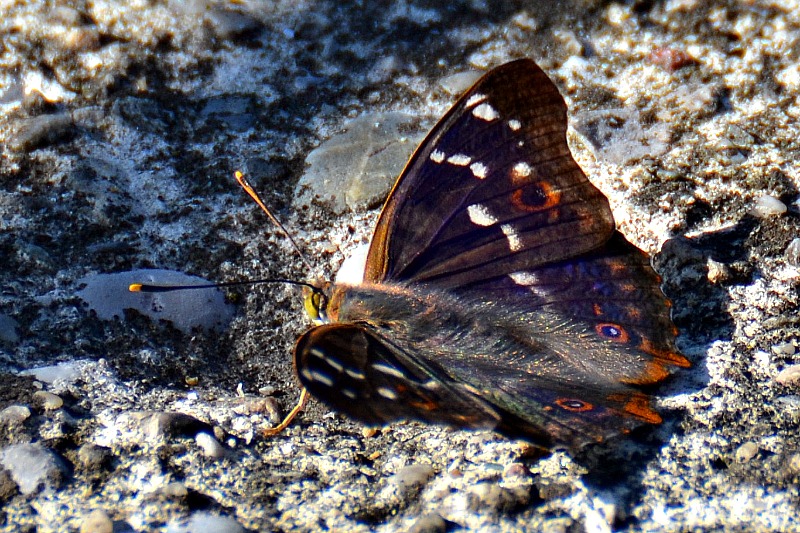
(497, 292)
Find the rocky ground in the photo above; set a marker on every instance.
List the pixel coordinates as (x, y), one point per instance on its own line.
(120, 127)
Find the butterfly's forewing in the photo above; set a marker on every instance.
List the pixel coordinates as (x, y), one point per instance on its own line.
(361, 372)
(493, 189)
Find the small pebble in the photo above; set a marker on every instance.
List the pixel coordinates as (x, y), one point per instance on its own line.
(793, 465)
(93, 457)
(789, 376)
(211, 447)
(746, 451)
(68, 372)
(174, 425)
(412, 476)
(430, 523)
(458, 83)
(488, 495)
(384, 70)
(39, 131)
(176, 490)
(203, 522)
(784, 348)
(14, 414)
(768, 206)
(355, 169)
(48, 400)
(259, 408)
(230, 24)
(790, 405)
(97, 521)
(717, 271)
(516, 470)
(792, 253)
(670, 59)
(525, 20)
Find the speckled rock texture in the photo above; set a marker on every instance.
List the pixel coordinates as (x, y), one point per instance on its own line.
(121, 124)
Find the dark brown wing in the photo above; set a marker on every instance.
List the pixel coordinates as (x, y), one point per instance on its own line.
(493, 189)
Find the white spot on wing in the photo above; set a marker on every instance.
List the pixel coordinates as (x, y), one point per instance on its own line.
(522, 170)
(316, 375)
(347, 392)
(437, 156)
(475, 99)
(390, 370)
(514, 124)
(511, 234)
(389, 394)
(459, 160)
(479, 170)
(481, 216)
(485, 112)
(523, 277)
(334, 363)
(354, 373)
(316, 352)
(530, 280)
(431, 384)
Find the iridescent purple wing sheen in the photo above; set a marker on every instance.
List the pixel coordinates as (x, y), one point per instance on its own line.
(613, 294)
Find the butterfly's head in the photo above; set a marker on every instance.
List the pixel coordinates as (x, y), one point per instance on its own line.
(315, 301)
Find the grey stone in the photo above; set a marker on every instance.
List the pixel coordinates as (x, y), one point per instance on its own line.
(356, 168)
(32, 467)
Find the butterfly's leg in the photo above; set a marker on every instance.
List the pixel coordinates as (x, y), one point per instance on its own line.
(271, 432)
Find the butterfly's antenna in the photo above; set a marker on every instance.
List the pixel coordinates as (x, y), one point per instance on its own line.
(254, 195)
(146, 287)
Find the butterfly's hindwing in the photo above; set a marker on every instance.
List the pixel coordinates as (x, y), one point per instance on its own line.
(614, 293)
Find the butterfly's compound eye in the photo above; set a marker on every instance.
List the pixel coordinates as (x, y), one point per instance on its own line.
(312, 301)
